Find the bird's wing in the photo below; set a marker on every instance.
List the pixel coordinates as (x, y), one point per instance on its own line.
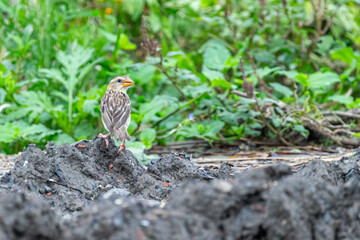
(115, 110)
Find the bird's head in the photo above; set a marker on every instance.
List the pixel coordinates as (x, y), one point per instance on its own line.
(120, 83)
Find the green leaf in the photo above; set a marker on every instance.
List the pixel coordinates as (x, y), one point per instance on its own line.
(252, 129)
(84, 131)
(17, 114)
(213, 128)
(132, 126)
(325, 43)
(238, 129)
(144, 75)
(264, 57)
(346, 74)
(155, 22)
(195, 130)
(232, 62)
(153, 60)
(195, 91)
(345, 54)
(54, 74)
(281, 89)
(220, 82)
(6, 8)
(228, 117)
(89, 106)
(321, 81)
(36, 132)
(133, 8)
(157, 104)
(302, 79)
(215, 54)
(263, 72)
(137, 148)
(8, 133)
(289, 74)
(83, 14)
(341, 99)
(300, 129)
(124, 43)
(147, 136)
(211, 74)
(2, 95)
(108, 35)
(60, 95)
(63, 138)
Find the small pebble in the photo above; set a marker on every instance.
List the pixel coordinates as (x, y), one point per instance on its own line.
(223, 186)
(145, 223)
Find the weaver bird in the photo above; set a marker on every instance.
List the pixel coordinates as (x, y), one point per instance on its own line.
(115, 110)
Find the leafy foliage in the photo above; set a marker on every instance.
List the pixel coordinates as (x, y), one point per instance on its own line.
(56, 58)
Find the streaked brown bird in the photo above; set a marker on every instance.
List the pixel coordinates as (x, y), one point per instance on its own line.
(115, 110)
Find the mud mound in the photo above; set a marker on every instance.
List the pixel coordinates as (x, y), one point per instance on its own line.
(336, 172)
(24, 217)
(69, 177)
(319, 201)
(123, 218)
(270, 203)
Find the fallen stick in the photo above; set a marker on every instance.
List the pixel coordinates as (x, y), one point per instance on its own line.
(342, 114)
(56, 182)
(287, 159)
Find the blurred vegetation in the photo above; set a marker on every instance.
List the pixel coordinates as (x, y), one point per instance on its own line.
(191, 61)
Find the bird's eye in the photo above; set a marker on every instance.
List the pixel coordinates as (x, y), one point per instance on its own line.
(120, 80)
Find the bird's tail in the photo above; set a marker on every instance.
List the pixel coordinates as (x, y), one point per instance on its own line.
(121, 134)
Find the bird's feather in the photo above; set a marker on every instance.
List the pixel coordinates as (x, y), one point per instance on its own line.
(115, 112)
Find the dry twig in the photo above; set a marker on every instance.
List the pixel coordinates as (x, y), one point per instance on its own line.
(263, 85)
(348, 114)
(249, 89)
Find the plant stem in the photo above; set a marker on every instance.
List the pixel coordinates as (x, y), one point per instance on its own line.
(70, 105)
(178, 109)
(173, 81)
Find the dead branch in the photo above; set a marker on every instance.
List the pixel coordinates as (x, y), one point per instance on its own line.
(249, 89)
(348, 114)
(319, 13)
(149, 45)
(321, 127)
(247, 86)
(152, 48)
(295, 95)
(241, 94)
(347, 132)
(315, 126)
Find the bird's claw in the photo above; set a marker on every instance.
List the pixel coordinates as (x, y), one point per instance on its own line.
(105, 137)
(122, 147)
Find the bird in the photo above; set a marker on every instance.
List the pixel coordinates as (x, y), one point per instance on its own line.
(115, 110)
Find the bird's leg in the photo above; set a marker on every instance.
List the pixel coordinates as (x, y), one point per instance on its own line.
(105, 137)
(122, 146)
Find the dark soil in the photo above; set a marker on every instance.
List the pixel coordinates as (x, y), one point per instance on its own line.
(70, 177)
(89, 192)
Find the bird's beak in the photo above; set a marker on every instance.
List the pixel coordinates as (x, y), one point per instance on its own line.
(128, 82)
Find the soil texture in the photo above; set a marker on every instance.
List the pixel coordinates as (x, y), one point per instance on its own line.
(88, 191)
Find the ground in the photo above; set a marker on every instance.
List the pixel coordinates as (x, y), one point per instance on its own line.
(86, 191)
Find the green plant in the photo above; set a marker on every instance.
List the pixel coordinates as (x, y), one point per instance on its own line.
(75, 66)
(211, 70)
